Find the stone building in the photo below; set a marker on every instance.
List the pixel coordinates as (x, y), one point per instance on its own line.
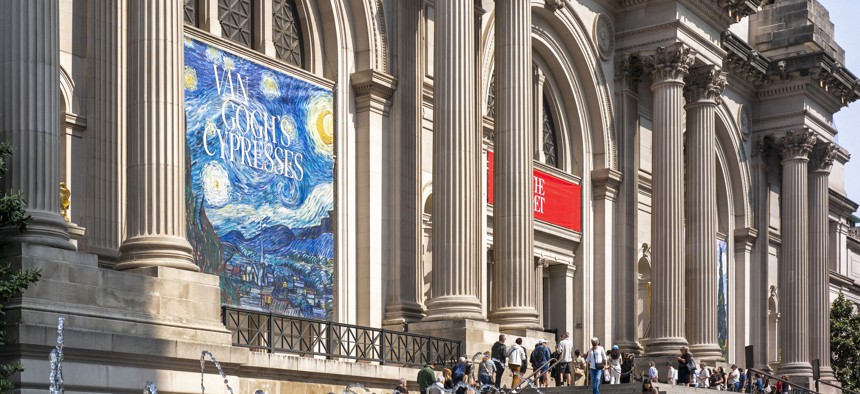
(655, 173)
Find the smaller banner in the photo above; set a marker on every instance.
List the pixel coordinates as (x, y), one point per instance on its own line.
(556, 201)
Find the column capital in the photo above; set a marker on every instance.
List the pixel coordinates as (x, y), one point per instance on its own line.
(796, 145)
(705, 85)
(745, 238)
(373, 90)
(670, 63)
(821, 158)
(763, 148)
(628, 71)
(606, 183)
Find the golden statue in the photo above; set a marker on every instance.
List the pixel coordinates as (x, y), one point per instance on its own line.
(65, 201)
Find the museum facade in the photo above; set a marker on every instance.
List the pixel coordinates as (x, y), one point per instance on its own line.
(449, 169)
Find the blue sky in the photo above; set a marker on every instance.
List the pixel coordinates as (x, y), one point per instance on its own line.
(844, 14)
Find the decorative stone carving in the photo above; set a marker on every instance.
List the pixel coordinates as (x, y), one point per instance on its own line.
(554, 5)
(604, 36)
(744, 122)
(797, 144)
(763, 148)
(822, 156)
(670, 63)
(705, 83)
(738, 9)
(628, 70)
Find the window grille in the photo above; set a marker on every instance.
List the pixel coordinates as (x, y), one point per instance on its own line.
(550, 151)
(190, 12)
(236, 21)
(287, 32)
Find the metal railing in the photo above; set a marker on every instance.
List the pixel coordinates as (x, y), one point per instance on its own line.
(275, 333)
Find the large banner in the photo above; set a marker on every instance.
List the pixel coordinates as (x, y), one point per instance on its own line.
(259, 192)
(556, 200)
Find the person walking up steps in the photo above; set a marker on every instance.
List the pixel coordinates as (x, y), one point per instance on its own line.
(516, 358)
(499, 356)
(565, 357)
(596, 360)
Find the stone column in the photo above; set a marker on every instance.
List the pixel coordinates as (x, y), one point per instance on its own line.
(561, 286)
(513, 217)
(456, 168)
(30, 116)
(155, 234)
(703, 95)
(405, 300)
(794, 260)
(668, 68)
(606, 289)
(762, 154)
(628, 78)
(821, 161)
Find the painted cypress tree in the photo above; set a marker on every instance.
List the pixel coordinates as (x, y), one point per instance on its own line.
(12, 281)
(845, 342)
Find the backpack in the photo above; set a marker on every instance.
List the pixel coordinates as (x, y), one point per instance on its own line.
(458, 373)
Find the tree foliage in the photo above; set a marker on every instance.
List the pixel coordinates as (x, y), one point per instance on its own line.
(845, 342)
(12, 281)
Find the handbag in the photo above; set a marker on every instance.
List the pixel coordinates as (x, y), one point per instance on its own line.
(597, 365)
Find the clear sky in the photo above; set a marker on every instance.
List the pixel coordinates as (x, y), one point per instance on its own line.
(844, 14)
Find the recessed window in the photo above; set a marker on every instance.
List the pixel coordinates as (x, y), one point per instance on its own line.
(491, 97)
(287, 32)
(236, 21)
(189, 12)
(550, 151)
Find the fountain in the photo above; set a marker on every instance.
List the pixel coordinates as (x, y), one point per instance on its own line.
(217, 365)
(56, 377)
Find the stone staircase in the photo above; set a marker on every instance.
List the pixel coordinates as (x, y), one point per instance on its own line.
(632, 388)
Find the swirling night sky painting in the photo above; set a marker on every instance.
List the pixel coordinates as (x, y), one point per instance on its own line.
(259, 161)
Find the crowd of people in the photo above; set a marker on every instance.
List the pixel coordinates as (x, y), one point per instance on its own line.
(568, 367)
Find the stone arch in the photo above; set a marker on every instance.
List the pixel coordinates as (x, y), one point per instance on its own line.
(70, 102)
(730, 140)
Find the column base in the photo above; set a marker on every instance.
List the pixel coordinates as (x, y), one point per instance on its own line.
(46, 229)
(516, 318)
(707, 352)
(454, 308)
(403, 312)
(156, 251)
(799, 373)
(628, 346)
(659, 347)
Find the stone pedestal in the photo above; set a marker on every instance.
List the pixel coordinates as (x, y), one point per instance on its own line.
(514, 286)
(668, 68)
(794, 261)
(156, 135)
(30, 117)
(703, 95)
(456, 169)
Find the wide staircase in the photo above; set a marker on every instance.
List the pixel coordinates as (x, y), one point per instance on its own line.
(631, 388)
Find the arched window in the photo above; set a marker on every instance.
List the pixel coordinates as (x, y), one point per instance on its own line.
(236, 21)
(548, 140)
(287, 32)
(189, 12)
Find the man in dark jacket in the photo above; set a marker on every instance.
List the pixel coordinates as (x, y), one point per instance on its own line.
(498, 352)
(427, 377)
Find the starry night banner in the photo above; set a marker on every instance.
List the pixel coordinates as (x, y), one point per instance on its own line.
(259, 160)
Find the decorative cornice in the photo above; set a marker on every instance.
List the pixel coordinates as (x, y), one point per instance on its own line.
(744, 61)
(746, 237)
(628, 71)
(797, 144)
(831, 76)
(821, 158)
(670, 63)
(373, 90)
(763, 148)
(738, 9)
(841, 204)
(605, 183)
(705, 83)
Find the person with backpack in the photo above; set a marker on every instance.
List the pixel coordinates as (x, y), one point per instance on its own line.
(460, 374)
(499, 354)
(516, 358)
(540, 361)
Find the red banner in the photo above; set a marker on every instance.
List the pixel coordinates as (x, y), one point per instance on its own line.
(556, 201)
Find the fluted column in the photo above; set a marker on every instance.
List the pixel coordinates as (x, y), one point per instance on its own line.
(29, 116)
(156, 136)
(456, 168)
(668, 68)
(763, 152)
(794, 260)
(821, 161)
(513, 216)
(703, 95)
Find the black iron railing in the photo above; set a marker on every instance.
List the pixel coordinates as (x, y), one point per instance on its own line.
(289, 334)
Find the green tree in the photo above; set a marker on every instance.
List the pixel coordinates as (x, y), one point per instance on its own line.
(845, 342)
(12, 281)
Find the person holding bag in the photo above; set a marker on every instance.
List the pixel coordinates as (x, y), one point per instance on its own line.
(686, 366)
(597, 362)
